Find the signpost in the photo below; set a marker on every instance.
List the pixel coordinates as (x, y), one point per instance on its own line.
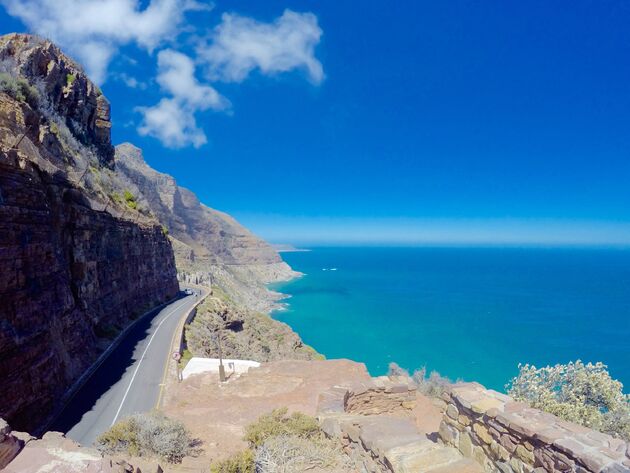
(177, 356)
(222, 377)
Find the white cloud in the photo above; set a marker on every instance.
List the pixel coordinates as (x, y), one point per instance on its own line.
(172, 120)
(130, 81)
(239, 45)
(176, 75)
(94, 30)
(173, 123)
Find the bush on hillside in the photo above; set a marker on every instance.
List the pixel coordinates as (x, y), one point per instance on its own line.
(242, 462)
(279, 423)
(280, 442)
(18, 88)
(433, 385)
(151, 434)
(130, 200)
(582, 393)
(394, 369)
(293, 454)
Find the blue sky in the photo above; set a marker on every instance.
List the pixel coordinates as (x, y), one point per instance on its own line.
(427, 122)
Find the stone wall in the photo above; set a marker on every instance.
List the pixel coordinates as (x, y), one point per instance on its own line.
(510, 437)
(381, 396)
(374, 423)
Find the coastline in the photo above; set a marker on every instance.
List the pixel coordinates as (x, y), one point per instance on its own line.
(455, 310)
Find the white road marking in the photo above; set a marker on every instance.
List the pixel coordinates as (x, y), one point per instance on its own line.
(142, 358)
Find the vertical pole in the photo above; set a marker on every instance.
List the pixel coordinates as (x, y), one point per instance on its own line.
(221, 367)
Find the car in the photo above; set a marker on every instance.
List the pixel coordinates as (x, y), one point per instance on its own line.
(188, 292)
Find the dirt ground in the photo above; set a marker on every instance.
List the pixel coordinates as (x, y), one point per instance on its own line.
(217, 414)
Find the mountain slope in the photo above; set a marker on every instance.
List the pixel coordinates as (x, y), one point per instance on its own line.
(210, 246)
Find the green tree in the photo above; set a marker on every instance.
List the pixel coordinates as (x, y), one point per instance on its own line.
(582, 393)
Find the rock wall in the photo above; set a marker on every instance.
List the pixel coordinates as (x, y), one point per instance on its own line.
(68, 91)
(76, 264)
(383, 395)
(71, 278)
(510, 437)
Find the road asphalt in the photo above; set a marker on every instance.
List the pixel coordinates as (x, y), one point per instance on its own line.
(129, 379)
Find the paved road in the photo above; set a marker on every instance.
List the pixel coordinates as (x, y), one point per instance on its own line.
(129, 379)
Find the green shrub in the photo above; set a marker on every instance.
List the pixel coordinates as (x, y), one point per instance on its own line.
(70, 78)
(278, 423)
(242, 462)
(130, 200)
(151, 434)
(164, 230)
(186, 357)
(582, 393)
(18, 88)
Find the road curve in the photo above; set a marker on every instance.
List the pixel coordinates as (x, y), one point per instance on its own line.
(129, 379)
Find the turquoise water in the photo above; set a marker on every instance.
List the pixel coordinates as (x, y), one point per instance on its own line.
(468, 313)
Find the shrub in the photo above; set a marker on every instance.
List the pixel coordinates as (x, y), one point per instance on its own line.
(130, 200)
(278, 423)
(242, 462)
(286, 443)
(582, 393)
(151, 434)
(292, 454)
(18, 88)
(433, 385)
(396, 370)
(70, 78)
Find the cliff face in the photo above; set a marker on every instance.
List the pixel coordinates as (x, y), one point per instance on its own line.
(210, 246)
(79, 262)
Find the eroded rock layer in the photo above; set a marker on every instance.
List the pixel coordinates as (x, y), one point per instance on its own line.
(78, 264)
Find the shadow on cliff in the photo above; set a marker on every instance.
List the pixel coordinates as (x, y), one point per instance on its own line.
(107, 375)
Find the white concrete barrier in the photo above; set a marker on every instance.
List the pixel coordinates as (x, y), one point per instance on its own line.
(211, 365)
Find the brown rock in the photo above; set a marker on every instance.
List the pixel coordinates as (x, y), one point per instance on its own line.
(482, 433)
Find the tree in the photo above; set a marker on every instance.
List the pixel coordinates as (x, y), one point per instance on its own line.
(582, 393)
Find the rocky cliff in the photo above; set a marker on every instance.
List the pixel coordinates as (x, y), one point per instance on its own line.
(210, 246)
(80, 258)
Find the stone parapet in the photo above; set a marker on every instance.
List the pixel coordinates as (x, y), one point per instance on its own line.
(511, 437)
(382, 395)
(372, 421)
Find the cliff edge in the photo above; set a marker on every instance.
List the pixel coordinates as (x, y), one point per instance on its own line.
(210, 246)
(80, 259)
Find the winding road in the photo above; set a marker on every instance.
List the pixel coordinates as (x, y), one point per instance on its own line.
(129, 380)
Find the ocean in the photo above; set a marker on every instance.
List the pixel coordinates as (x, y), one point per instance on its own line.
(469, 313)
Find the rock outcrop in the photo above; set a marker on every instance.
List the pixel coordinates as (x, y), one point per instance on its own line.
(10, 444)
(22, 453)
(78, 262)
(210, 246)
(244, 334)
(68, 91)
